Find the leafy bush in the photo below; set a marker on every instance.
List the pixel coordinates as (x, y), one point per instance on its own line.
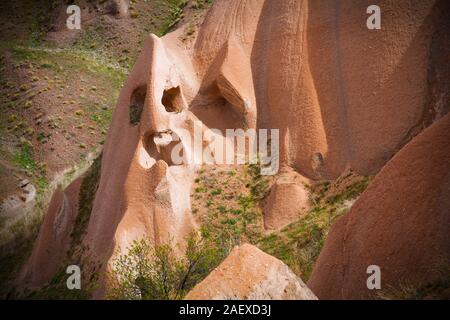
(259, 185)
(135, 113)
(156, 273)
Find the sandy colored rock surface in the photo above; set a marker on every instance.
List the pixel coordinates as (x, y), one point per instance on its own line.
(400, 223)
(288, 200)
(249, 273)
(341, 95)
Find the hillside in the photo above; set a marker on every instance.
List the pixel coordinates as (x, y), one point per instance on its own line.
(58, 91)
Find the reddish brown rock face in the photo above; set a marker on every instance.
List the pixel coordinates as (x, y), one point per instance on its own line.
(401, 223)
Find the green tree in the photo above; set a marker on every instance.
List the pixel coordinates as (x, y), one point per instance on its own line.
(157, 273)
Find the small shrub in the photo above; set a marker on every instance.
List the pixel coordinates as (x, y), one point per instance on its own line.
(40, 136)
(231, 173)
(158, 274)
(135, 113)
(200, 190)
(28, 104)
(222, 209)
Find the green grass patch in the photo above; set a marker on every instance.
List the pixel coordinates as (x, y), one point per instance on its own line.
(57, 289)
(231, 218)
(71, 62)
(102, 116)
(173, 17)
(201, 4)
(25, 158)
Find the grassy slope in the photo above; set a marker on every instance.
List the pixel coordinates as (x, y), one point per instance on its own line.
(300, 243)
(70, 91)
(226, 203)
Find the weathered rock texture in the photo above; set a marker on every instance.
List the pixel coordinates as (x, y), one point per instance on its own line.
(341, 95)
(54, 239)
(288, 200)
(401, 223)
(249, 273)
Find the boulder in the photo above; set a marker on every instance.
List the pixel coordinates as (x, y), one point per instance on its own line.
(249, 273)
(288, 200)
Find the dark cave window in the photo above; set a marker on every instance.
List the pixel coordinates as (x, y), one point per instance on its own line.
(172, 100)
(137, 105)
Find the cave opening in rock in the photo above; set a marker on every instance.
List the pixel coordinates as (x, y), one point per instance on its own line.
(215, 111)
(172, 100)
(160, 146)
(137, 102)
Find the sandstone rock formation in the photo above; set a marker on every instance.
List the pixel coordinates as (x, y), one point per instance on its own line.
(54, 238)
(341, 95)
(288, 200)
(249, 273)
(401, 223)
